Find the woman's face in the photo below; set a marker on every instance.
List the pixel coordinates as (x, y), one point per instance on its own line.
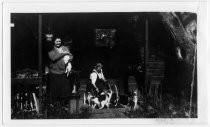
(57, 42)
(98, 69)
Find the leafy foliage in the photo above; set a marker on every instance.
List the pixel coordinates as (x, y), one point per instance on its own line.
(166, 109)
(55, 112)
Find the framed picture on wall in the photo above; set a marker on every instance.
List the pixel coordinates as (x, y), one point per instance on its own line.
(105, 37)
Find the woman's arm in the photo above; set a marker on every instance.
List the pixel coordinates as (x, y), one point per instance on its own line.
(93, 78)
(66, 50)
(54, 56)
(102, 75)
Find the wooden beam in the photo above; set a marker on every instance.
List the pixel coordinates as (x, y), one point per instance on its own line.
(40, 58)
(146, 53)
(40, 44)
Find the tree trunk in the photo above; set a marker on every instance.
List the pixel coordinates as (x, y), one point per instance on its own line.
(185, 38)
(182, 26)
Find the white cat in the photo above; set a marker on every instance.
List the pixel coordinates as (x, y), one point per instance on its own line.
(135, 100)
(101, 100)
(106, 101)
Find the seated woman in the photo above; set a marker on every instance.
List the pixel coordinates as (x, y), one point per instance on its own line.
(97, 81)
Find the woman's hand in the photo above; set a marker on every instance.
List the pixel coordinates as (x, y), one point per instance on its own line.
(97, 89)
(66, 59)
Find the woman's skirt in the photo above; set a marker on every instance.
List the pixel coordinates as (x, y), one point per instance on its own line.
(59, 87)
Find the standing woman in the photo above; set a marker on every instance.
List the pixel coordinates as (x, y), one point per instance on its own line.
(60, 67)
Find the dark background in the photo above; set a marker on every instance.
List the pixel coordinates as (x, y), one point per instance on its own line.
(80, 28)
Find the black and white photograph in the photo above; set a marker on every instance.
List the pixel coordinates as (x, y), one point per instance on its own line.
(102, 65)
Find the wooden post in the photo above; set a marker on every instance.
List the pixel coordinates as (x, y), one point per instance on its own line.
(69, 106)
(77, 105)
(192, 82)
(40, 44)
(146, 53)
(40, 57)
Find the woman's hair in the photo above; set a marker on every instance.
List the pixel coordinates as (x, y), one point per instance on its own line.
(57, 37)
(98, 65)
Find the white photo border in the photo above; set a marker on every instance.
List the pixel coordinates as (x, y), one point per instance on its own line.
(198, 7)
